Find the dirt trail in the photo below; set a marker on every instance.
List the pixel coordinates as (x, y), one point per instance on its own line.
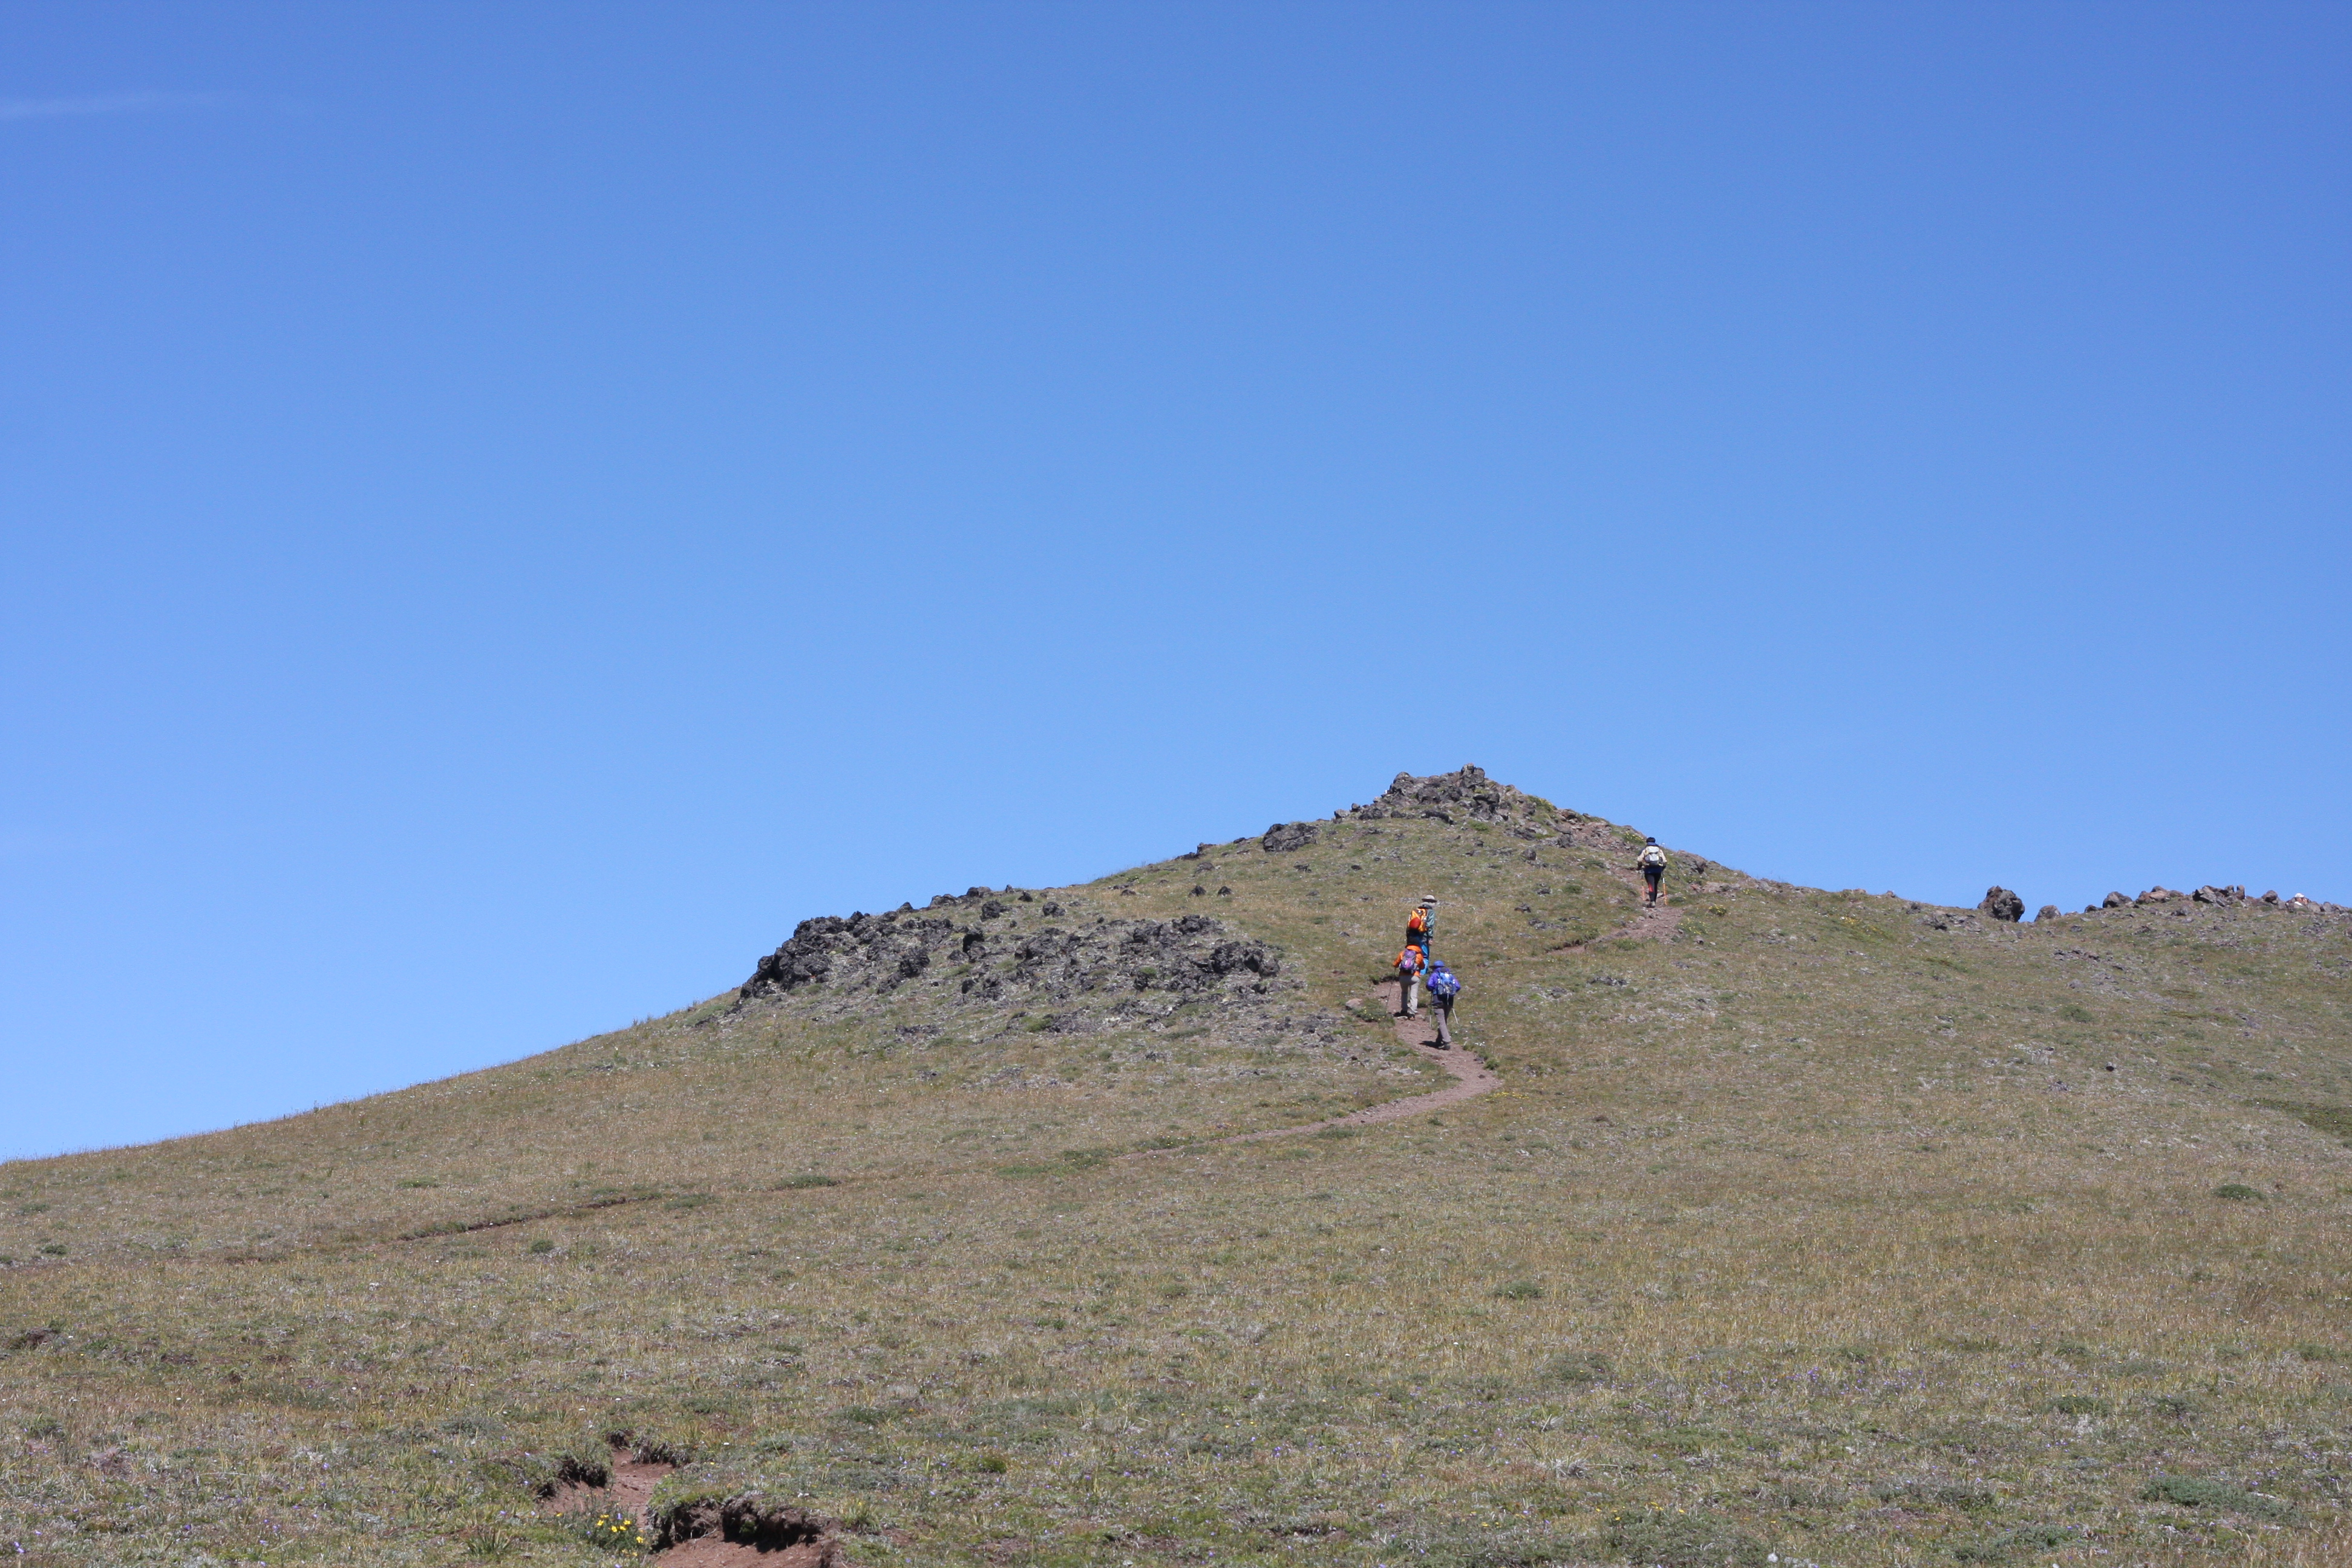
(1472, 1077)
(1650, 924)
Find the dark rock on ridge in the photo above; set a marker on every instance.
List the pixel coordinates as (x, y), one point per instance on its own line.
(877, 953)
(2046, 912)
(2002, 905)
(2224, 897)
(1467, 795)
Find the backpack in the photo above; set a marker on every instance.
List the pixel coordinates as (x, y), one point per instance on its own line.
(1416, 923)
(1444, 981)
(1409, 961)
(1653, 855)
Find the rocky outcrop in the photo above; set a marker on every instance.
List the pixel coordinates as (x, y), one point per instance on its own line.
(2114, 901)
(2225, 897)
(2046, 912)
(2159, 894)
(2002, 905)
(878, 953)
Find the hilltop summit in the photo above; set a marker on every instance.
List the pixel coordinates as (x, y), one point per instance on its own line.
(1467, 795)
(1047, 1224)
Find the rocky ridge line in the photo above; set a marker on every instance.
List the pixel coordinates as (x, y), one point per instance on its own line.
(955, 965)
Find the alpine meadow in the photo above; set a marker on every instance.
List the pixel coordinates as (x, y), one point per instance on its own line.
(1108, 1225)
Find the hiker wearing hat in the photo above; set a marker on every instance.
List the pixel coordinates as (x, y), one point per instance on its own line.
(1421, 926)
(1444, 985)
(1409, 965)
(1654, 866)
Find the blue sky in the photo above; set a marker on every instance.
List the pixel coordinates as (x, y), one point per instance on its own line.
(504, 510)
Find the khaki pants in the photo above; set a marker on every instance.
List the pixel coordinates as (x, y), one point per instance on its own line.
(1444, 1008)
(1409, 991)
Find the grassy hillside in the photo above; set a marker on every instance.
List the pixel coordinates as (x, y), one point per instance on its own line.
(1812, 1224)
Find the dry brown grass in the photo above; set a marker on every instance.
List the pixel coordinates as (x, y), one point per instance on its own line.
(1789, 1243)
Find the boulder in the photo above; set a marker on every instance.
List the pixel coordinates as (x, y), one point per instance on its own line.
(2002, 905)
(2046, 912)
(1285, 837)
(2271, 896)
(2115, 901)
(2223, 898)
(2159, 894)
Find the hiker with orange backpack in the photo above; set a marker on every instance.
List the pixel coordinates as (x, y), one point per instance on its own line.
(1409, 965)
(1421, 926)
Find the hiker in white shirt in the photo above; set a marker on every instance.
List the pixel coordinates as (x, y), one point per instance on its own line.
(1652, 863)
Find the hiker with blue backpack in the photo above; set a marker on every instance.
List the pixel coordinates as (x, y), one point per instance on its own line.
(1444, 985)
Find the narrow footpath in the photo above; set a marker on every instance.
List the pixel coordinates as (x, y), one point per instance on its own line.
(1472, 1077)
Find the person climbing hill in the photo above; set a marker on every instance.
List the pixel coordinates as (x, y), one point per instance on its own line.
(1421, 926)
(1654, 866)
(1444, 985)
(1409, 965)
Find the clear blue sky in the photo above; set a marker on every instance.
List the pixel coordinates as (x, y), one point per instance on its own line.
(504, 509)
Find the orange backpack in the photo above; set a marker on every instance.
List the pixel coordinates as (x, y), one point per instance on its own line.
(1410, 961)
(1416, 923)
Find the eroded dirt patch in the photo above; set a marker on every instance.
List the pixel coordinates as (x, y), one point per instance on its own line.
(624, 1484)
(710, 1552)
(746, 1528)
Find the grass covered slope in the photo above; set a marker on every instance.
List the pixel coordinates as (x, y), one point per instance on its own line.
(1812, 1224)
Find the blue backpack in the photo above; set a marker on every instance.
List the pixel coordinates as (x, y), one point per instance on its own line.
(1444, 981)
